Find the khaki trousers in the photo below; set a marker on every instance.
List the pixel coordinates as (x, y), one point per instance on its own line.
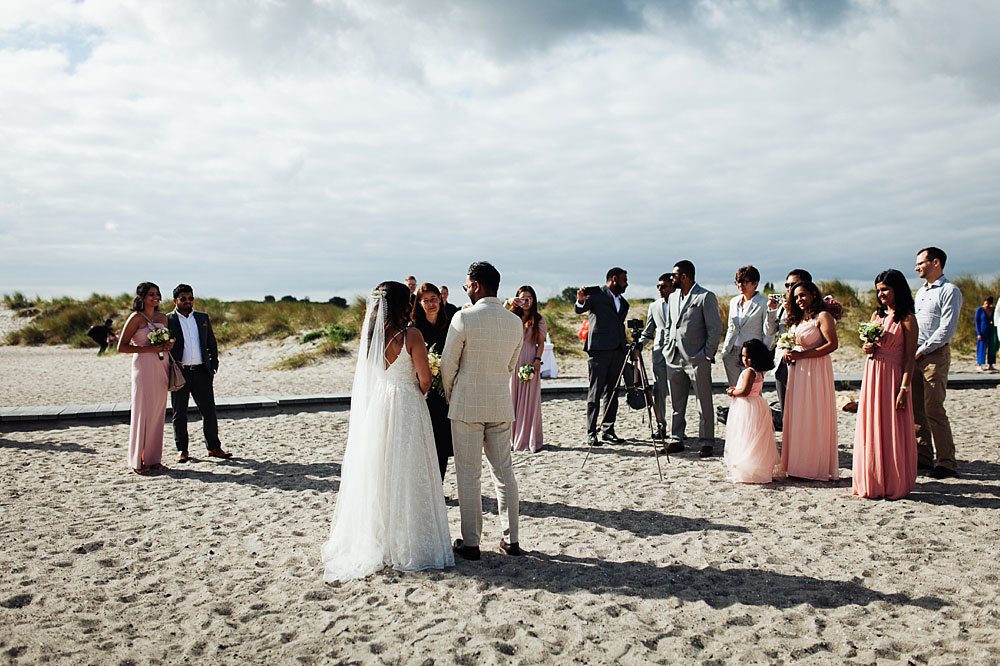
(471, 441)
(930, 378)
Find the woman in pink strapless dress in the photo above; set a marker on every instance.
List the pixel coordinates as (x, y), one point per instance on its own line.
(809, 431)
(149, 380)
(885, 445)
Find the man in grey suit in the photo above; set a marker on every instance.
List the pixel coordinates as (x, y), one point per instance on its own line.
(694, 328)
(656, 330)
(607, 310)
(479, 357)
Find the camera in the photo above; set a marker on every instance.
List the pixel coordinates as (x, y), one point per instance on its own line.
(636, 326)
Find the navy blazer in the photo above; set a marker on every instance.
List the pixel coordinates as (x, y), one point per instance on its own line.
(607, 325)
(209, 348)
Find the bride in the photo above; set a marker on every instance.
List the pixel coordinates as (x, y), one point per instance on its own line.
(390, 510)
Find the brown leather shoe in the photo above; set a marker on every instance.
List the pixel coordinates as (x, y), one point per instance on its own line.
(183, 457)
(510, 548)
(219, 453)
(465, 552)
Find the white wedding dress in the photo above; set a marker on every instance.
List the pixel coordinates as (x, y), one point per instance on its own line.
(390, 508)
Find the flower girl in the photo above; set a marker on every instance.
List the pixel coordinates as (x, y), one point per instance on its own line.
(751, 454)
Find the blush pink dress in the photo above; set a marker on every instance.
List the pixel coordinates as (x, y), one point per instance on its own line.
(149, 403)
(751, 454)
(809, 432)
(526, 430)
(885, 445)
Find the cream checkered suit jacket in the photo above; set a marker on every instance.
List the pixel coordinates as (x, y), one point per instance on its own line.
(477, 362)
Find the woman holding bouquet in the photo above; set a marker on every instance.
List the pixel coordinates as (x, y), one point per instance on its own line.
(432, 320)
(885, 445)
(809, 433)
(526, 385)
(149, 378)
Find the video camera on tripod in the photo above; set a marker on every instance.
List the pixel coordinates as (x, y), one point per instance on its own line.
(634, 371)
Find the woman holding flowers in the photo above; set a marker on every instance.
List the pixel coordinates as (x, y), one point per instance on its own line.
(526, 383)
(145, 336)
(432, 320)
(885, 446)
(809, 433)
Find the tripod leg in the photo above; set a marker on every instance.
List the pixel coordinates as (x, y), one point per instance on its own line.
(644, 378)
(600, 420)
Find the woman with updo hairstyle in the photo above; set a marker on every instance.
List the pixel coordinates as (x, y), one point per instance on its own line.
(885, 442)
(149, 379)
(747, 313)
(809, 430)
(432, 320)
(526, 430)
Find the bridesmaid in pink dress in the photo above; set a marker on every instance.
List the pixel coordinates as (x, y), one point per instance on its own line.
(149, 380)
(526, 430)
(885, 445)
(809, 432)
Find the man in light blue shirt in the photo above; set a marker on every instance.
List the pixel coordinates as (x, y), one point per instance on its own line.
(938, 303)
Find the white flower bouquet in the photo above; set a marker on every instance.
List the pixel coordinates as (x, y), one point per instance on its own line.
(870, 331)
(786, 341)
(434, 361)
(525, 373)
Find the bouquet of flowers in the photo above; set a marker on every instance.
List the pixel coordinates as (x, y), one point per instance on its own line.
(786, 341)
(870, 331)
(525, 373)
(159, 336)
(834, 307)
(434, 361)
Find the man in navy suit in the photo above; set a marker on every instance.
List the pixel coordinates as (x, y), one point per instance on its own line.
(197, 352)
(607, 310)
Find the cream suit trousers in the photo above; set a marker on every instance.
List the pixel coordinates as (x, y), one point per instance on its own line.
(471, 441)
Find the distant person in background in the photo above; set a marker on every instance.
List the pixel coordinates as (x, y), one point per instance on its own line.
(656, 330)
(198, 353)
(432, 321)
(776, 324)
(149, 379)
(448, 307)
(938, 304)
(747, 313)
(103, 335)
(526, 430)
(986, 336)
(411, 284)
(885, 444)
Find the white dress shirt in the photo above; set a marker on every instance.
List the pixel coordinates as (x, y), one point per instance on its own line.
(192, 341)
(937, 305)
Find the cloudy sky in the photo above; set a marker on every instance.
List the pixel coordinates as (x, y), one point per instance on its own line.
(315, 147)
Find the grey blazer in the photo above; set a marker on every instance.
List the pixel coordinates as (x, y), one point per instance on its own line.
(752, 326)
(694, 326)
(656, 325)
(607, 325)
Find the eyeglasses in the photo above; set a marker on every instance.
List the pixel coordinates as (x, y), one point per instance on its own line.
(789, 285)
(467, 287)
(186, 299)
(662, 286)
(741, 282)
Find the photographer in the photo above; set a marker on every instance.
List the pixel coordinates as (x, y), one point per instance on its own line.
(607, 310)
(656, 330)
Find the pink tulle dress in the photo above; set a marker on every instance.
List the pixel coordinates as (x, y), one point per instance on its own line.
(885, 445)
(149, 403)
(809, 430)
(751, 454)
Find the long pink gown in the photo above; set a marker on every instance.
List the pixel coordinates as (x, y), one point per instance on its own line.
(149, 403)
(526, 430)
(885, 445)
(751, 454)
(809, 431)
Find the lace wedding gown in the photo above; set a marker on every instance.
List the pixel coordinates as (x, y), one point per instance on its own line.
(390, 510)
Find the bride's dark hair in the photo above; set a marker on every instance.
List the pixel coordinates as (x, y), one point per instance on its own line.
(397, 304)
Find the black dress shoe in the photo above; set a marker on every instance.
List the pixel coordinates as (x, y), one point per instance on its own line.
(940, 472)
(924, 469)
(661, 433)
(465, 552)
(675, 447)
(592, 440)
(610, 436)
(510, 548)
(706, 451)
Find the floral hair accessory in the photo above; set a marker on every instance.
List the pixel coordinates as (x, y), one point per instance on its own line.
(378, 292)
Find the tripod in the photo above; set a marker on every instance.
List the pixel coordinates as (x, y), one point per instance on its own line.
(634, 353)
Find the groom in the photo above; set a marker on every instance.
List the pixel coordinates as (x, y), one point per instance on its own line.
(476, 365)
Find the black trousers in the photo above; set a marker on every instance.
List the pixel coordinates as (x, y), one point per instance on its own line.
(197, 383)
(603, 369)
(780, 379)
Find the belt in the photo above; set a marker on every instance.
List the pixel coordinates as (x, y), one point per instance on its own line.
(191, 367)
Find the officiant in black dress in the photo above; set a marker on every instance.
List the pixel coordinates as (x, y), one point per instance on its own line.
(432, 320)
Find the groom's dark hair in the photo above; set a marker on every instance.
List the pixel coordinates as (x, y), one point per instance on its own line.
(183, 289)
(486, 275)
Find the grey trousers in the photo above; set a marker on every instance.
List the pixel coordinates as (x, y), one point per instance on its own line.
(681, 377)
(471, 441)
(660, 389)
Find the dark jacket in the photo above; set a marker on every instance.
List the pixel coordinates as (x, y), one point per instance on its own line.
(209, 348)
(607, 326)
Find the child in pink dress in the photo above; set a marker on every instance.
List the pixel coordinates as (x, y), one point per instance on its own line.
(751, 454)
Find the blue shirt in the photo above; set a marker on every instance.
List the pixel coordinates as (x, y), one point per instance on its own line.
(937, 305)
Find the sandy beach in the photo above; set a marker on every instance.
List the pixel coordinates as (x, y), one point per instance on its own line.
(218, 561)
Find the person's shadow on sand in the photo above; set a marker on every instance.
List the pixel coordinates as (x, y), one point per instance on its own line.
(323, 477)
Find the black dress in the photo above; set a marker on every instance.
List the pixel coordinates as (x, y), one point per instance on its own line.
(436, 404)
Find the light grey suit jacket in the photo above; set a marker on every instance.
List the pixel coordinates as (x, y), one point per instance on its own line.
(694, 326)
(656, 326)
(477, 362)
(752, 326)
